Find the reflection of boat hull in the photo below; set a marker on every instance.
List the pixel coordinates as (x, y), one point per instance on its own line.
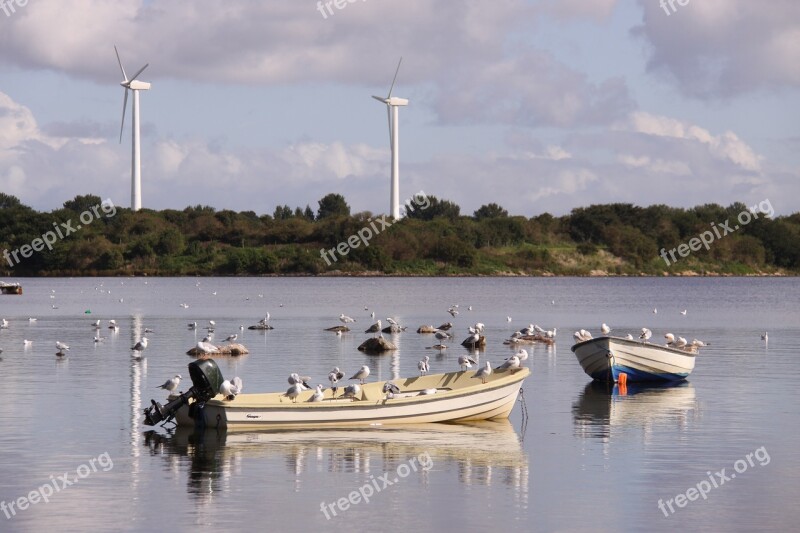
(605, 358)
(459, 397)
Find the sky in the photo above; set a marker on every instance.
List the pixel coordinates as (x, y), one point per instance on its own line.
(537, 105)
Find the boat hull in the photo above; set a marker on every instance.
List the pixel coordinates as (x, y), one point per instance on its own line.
(461, 398)
(605, 358)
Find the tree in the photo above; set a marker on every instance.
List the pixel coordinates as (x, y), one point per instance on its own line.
(436, 208)
(333, 205)
(490, 211)
(8, 201)
(309, 213)
(79, 204)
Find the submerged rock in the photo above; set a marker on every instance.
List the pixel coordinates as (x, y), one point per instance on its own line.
(426, 329)
(338, 328)
(393, 329)
(225, 349)
(261, 327)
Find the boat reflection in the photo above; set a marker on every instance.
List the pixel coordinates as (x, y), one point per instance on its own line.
(606, 408)
(483, 453)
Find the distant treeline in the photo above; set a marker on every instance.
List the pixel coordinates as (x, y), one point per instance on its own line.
(618, 239)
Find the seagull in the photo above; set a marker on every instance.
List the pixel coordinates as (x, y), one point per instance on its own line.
(61, 347)
(98, 338)
(551, 333)
(427, 392)
(508, 318)
(318, 395)
(334, 376)
(96, 324)
(230, 389)
(351, 391)
(264, 320)
(296, 379)
(683, 312)
(469, 308)
(646, 334)
(374, 327)
(670, 339)
(484, 372)
(423, 366)
(185, 306)
(338, 333)
(346, 319)
(538, 329)
(362, 374)
(206, 347)
(171, 385)
(465, 362)
(604, 329)
(512, 363)
(681, 343)
(452, 312)
(231, 338)
(442, 335)
(582, 336)
(31, 320)
(294, 391)
(392, 321)
(148, 330)
(765, 337)
(655, 311)
(140, 346)
(699, 344)
(472, 339)
(629, 337)
(372, 315)
(390, 389)
(112, 324)
(522, 355)
(192, 325)
(479, 327)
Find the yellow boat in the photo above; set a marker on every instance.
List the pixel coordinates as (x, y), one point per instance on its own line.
(448, 397)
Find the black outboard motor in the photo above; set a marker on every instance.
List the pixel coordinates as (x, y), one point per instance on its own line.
(206, 379)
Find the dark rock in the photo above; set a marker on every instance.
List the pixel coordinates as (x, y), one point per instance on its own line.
(376, 345)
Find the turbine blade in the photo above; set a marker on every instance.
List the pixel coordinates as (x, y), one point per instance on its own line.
(381, 99)
(120, 63)
(124, 108)
(395, 78)
(140, 71)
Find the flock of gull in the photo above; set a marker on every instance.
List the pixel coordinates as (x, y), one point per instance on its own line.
(672, 341)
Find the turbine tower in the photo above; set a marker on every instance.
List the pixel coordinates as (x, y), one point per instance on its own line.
(392, 108)
(136, 165)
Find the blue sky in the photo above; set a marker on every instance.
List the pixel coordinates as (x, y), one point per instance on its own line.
(540, 106)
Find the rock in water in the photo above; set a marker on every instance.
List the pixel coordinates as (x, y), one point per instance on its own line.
(376, 345)
(393, 329)
(338, 328)
(426, 329)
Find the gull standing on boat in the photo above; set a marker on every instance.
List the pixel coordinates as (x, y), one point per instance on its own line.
(346, 319)
(670, 339)
(351, 391)
(646, 334)
(484, 372)
(522, 355)
(423, 366)
(465, 362)
(318, 395)
(171, 385)
(390, 389)
(294, 391)
(604, 329)
(334, 376)
(512, 363)
(297, 379)
(362, 374)
(229, 389)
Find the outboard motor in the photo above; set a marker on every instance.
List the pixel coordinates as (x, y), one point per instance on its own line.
(206, 379)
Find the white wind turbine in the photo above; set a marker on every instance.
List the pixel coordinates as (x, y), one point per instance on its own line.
(392, 105)
(136, 166)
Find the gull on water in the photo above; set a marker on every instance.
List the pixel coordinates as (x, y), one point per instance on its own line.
(765, 337)
(346, 319)
(171, 385)
(362, 374)
(140, 346)
(61, 347)
(392, 321)
(423, 366)
(699, 343)
(484, 372)
(683, 312)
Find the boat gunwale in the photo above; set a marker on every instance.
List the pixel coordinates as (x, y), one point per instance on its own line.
(677, 351)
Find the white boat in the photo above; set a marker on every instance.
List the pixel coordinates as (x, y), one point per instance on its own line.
(606, 358)
(458, 397)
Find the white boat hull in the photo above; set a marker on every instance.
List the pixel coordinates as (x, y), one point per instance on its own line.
(605, 358)
(461, 397)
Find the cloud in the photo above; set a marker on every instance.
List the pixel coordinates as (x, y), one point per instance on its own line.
(724, 48)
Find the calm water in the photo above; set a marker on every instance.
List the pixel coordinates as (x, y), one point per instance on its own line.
(587, 459)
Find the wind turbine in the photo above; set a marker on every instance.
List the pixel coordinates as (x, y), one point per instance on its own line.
(392, 108)
(134, 85)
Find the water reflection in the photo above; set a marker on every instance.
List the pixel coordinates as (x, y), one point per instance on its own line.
(603, 408)
(484, 453)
